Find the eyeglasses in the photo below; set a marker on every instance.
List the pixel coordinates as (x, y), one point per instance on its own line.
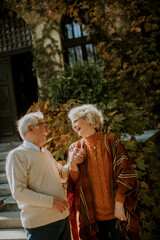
(40, 123)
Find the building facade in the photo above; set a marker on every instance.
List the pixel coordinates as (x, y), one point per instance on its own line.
(18, 83)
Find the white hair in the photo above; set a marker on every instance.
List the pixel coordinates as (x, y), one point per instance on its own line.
(26, 120)
(90, 113)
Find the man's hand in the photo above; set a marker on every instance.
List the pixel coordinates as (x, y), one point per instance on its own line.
(60, 205)
(119, 211)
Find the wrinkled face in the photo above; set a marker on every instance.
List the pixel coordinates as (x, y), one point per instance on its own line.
(40, 132)
(83, 127)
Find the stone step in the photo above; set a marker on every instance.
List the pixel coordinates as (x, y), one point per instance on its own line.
(2, 199)
(3, 156)
(2, 166)
(8, 146)
(10, 219)
(5, 190)
(12, 234)
(9, 200)
(9, 204)
(3, 178)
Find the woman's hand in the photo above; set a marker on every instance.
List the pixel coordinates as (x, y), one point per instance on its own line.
(76, 157)
(119, 211)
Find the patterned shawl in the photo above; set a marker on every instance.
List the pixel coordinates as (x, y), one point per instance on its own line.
(80, 196)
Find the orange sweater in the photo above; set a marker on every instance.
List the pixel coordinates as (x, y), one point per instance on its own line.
(100, 176)
(98, 166)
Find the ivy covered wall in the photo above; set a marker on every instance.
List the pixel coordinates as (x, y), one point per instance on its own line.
(128, 44)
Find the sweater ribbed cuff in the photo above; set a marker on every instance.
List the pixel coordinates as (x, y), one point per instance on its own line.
(74, 175)
(119, 198)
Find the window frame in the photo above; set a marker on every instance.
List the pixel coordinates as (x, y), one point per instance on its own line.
(75, 42)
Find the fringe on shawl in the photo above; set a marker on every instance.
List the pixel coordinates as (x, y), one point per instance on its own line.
(117, 152)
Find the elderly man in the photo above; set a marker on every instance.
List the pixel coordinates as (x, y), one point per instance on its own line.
(35, 182)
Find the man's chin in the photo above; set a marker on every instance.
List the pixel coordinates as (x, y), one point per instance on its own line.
(44, 142)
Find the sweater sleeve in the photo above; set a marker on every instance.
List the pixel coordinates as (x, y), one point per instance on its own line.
(17, 175)
(63, 171)
(73, 174)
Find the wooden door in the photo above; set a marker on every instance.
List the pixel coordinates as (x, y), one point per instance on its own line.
(8, 113)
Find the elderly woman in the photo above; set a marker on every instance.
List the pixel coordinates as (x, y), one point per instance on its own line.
(102, 190)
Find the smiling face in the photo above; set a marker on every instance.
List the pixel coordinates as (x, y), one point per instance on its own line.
(37, 134)
(41, 132)
(83, 127)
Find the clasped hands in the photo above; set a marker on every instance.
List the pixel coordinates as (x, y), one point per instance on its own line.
(76, 158)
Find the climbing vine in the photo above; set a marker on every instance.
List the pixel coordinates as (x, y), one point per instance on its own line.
(47, 59)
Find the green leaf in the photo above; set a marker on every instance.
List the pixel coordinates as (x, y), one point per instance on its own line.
(130, 145)
(149, 200)
(141, 164)
(112, 105)
(119, 118)
(147, 27)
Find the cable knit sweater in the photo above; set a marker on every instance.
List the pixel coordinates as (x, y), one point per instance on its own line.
(98, 167)
(34, 179)
(108, 176)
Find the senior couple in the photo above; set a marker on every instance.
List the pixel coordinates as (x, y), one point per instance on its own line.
(101, 183)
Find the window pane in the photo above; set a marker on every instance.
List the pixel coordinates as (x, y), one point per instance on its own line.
(69, 31)
(79, 56)
(77, 30)
(71, 56)
(95, 53)
(75, 42)
(14, 32)
(90, 53)
(84, 31)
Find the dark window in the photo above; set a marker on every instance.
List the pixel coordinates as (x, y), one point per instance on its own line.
(13, 32)
(76, 44)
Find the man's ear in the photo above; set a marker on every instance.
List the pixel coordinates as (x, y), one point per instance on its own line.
(30, 128)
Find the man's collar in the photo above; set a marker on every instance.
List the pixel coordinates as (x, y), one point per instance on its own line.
(31, 145)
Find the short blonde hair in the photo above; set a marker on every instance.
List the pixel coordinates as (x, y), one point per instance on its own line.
(90, 113)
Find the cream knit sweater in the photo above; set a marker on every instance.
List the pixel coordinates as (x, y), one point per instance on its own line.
(34, 179)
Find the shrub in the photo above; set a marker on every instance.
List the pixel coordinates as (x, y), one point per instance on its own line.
(119, 118)
(147, 160)
(83, 81)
